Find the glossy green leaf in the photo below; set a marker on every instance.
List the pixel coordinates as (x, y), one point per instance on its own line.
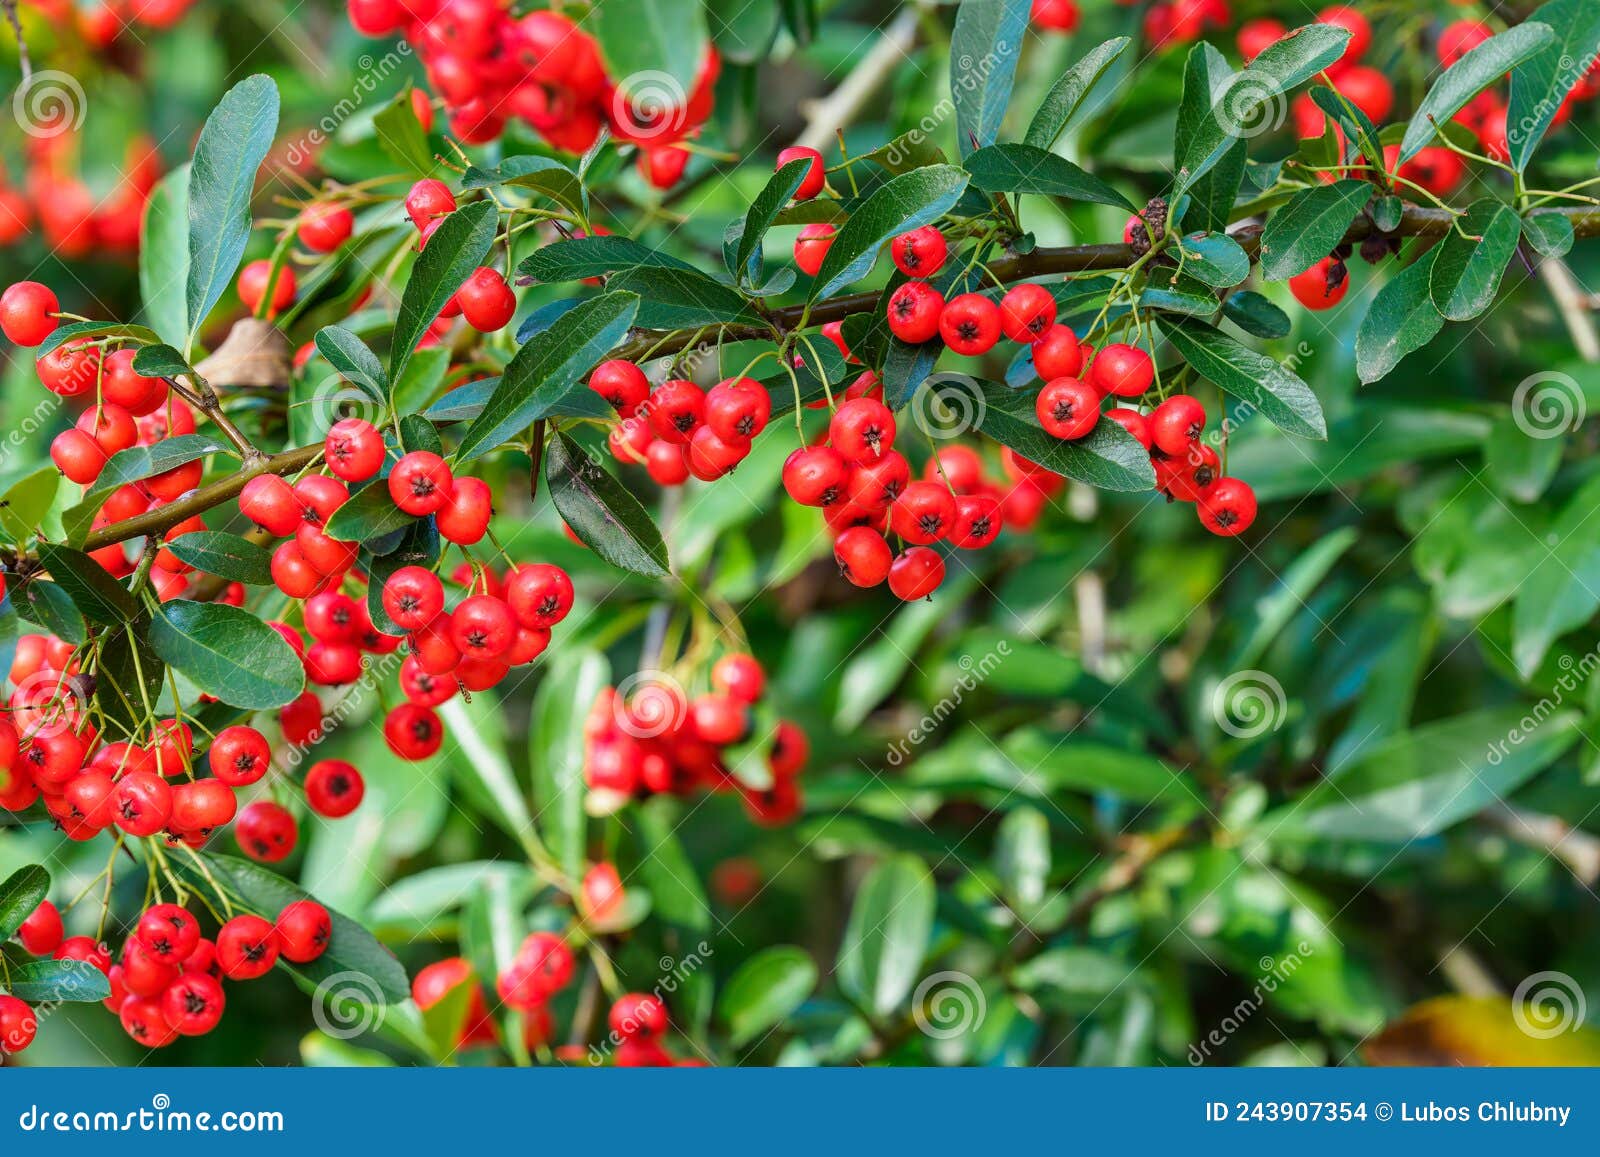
(1256, 315)
(26, 502)
(1469, 76)
(906, 202)
(228, 651)
(671, 878)
(20, 893)
(682, 298)
(774, 195)
(984, 47)
(354, 360)
(1466, 274)
(225, 555)
(544, 175)
(400, 133)
(1026, 169)
(44, 982)
(1070, 91)
(743, 30)
(45, 604)
(457, 247)
(558, 745)
(763, 992)
(1542, 82)
(1273, 389)
(222, 178)
(1401, 320)
(579, 257)
(1022, 857)
(602, 512)
(164, 257)
(545, 378)
(101, 598)
(1213, 258)
(161, 361)
(880, 958)
(1309, 226)
(369, 514)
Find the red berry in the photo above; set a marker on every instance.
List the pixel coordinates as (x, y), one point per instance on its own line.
(271, 503)
(861, 430)
(304, 929)
(18, 1025)
(25, 313)
(413, 732)
(486, 301)
(676, 409)
(815, 476)
(142, 803)
(325, 226)
(740, 677)
(924, 513)
(637, 1015)
(1057, 354)
(621, 383)
(1229, 508)
(1067, 408)
(168, 932)
(970, 324)
(738, 408)
(482, 627)
(193, 1004)
(919, 253)
(1323, 286)
(863, 556)
(41, 932)
(354, 449)
(247, 948)
(420, 483)
(978, 521)
(334, 788)
(78, 456)
(144, 1019)
(539, 594)
(1176, 423)
(915, 310)
(1027, 312)
(1344, 16)
(815, 176)
(200, 807)
(265, 831)
(1123, 370)
(429, 199)
(602, 895)
(413, 597)
(916, 574)
(811, 246)
(873, 486)
(253, 279)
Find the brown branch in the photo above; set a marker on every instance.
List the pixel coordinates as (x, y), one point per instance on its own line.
(204, 399)
(24, 62)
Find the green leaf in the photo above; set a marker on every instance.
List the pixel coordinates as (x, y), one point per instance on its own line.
(743, 30)
(764, 991)
(578, 257)
(355, 965)
(400, 134)
(20, 893)
(225, 555)
(128, 673)
(1214, 258)
(1466, 274)
(1069, 92)
(92, 590)
(1256, 315)
(558, 745)
(1026, 169)
(1357, 125)
(1541, 83)
(1309, 226)
(1558, 593)
(232, 145)
(666, 871)
(1550, 234)
(53, 981)
(1022, 857)
(1209, 200)
(880, 959)
(653, 48)
(1274, 390)
(72, 331)
(135, 464)
(764, 210)
(544, 175)
(164, 257)
(161, 361)
(423, 376)
(1519, 465)
(457, 247)
(906, 202)
(906, 366)
(1049, 764)
(415, 906)
(369, 514)
(27, 501)
(1401, 320)
(545, 378)
(484, 761)
(354, 360)
(1108, 458)
(1469, 76)
(229, 652)
(46, 605)
(681, 298)
(984, 47)
(601, 511)
(1239, 104)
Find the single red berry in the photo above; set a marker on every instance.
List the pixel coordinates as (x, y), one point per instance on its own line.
(486, 301)
(676, 409)
(144, 1019)
(863, 556)
(1134, 423)
(18, 1025)
(78, 456)
(266, 831)
(636, 1015)
(354, 449)
(193, 1004)
(464, 520)
(978, 521)
(815, 476)
(539, 594)
(1323, 286)
(620, 383)
(121, 386)
(738, 408)
(812, 245)
(325, 226)
(1229, 508)
(200, 807)
(1199, 470)
(915, 310)
(70, 370)
(873, 486)
(1123, 370)
(1176, 423)
(42, 931)
(413, 597)
(142, 803)
(247, 948)
(429, 199)
(420, 483)
(253, 281)
(1057, 354)
(482, 627)
(919, 253)
(1027, 312)
(304, 929)
(413, 732)
(924, 513)
(861, 430)
(1067, 408)
(293, 574)
(270, 502)
(710, 456)
(334, 788)
(602, 895)
(26, 313)
(815, 175)
(970, 324)
(168, 932)
(740, 677)
(916, 574)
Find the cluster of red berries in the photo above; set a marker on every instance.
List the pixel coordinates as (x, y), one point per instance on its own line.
(101, 23)
(72, 219)
(490, 65)
(167, 981)
(484, 299)
(657, 740)
(676, 429)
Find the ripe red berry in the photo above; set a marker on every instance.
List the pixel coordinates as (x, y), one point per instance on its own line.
(1027, 312)
(266, 831)
(863, 556)
(325, 226)
(861, 430)
(270, 503)
(919, 253)
(304, 929)
(429, 199)
(915, 310)
(812, 245)
(1057, 354)
(1123, 370)
(970, 324)
(924, 513)
(539, 594)
(464, 520)
(142, 803)
(978, 521)
(18, 1025)
(41, 932)
(740, 677)
(168, 932)
(1323, 286)
(1133, 422)
(621, 383)
(676, 409)
(1229, 508)
(253, 279)
(602, 896)
(69, 370)
(354, 449)
(1198, 472)
(200, 807)
(1176, 423)
(815, 476)
(247, 948)
(413, 597)
(413, 732)
(486, 301)
(636, 1015)
(293, 574)
(144, 1019)
(872, 486)
(710, 456)
(121, 386)
(738, 408)
(815, 175)
(78, 456)
(420, 482)
(334, 788)
(482, 627)
(1067, 408)
(25, 313)
(916, 574)
(193, 1004)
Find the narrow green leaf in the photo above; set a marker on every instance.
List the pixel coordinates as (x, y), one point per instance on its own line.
(545, 378)
(1280, 395)
(1069, 92)
(164, 257)
(92, 590)
(20, 893)
(1308, 226)
(1022, 857)
(984, 47)
(1541, 83)
(579, 257)
(52, 981)
(1401, 320)
(45, 604)
(601, 511)
(228, 651)
(1256, 315)
(906, 202)
(1026, 169)
(457, 247)
(354, 360)
(222, 177)
(880, 958)
(225, 555)
(764, 210)
(544, 175)
(1469, 76)
(400, 133)
(558, 746)
(1466, 274)
(764, 991)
